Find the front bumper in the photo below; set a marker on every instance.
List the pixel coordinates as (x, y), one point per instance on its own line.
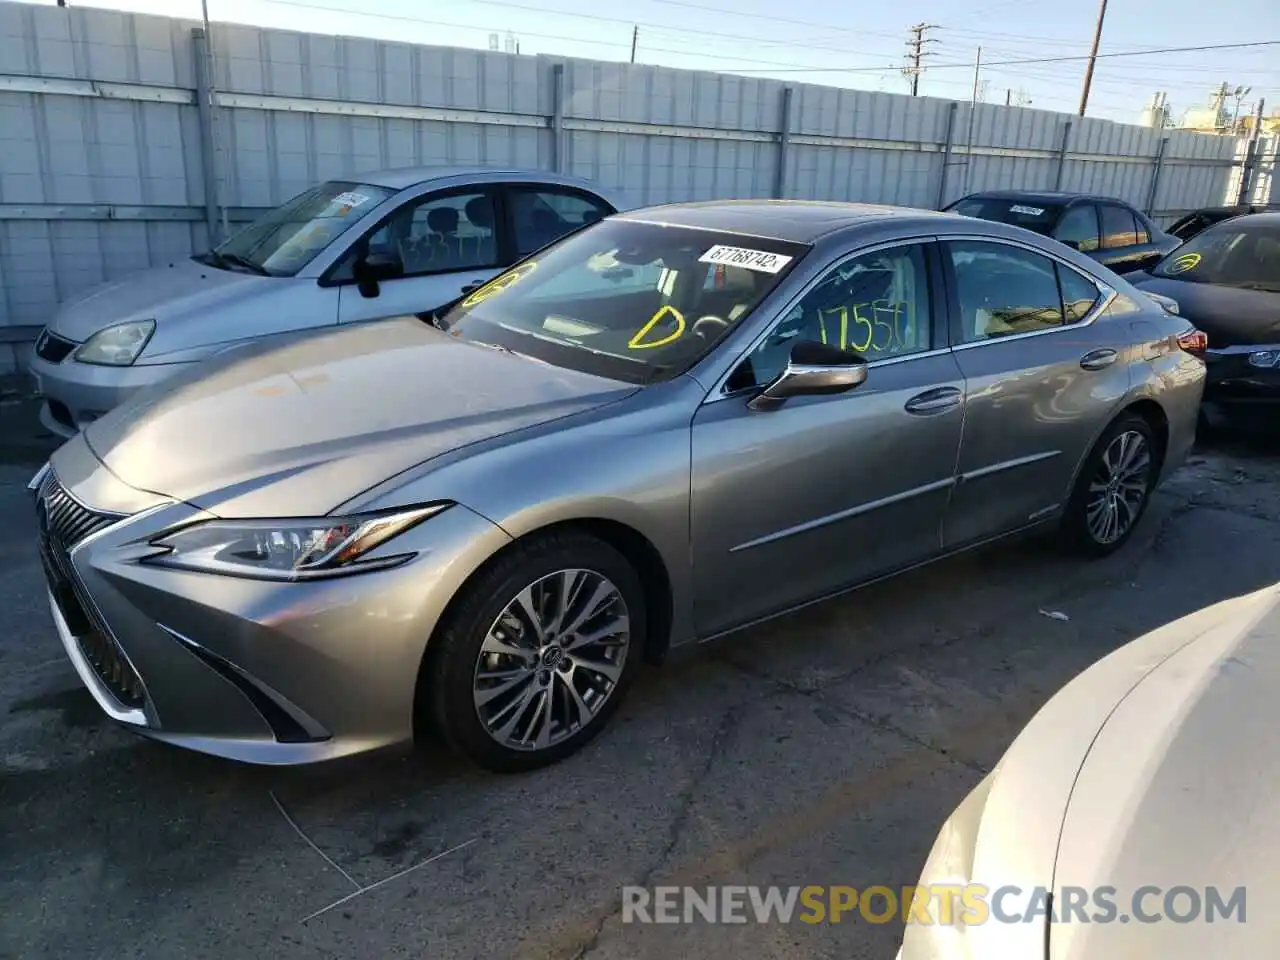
(75, 394)
(258, 671)
(1238, 396)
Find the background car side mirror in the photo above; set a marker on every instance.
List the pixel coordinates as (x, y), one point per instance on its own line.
(813, 369)
(373, 268)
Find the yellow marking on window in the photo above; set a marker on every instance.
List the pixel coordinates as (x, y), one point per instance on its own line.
(635, 342)
(500, 284)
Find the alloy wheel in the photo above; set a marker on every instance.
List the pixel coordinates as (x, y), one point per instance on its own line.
(1119, 488)
(551, 659)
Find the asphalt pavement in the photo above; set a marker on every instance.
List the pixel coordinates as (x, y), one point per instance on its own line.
(825, 748)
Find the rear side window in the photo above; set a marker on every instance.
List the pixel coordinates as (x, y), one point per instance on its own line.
(1078, 228)
(1141, 232)
(1003, 290)
(1117, 227)
(1079, 294)
(541, 216)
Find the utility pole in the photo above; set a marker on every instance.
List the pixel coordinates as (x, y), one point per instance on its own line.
(916, 52)
(973, 109)
(635, 35)
(1093, 56)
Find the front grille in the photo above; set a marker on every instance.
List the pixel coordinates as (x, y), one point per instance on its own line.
(65, 522)
(69, 521)
(52, 347)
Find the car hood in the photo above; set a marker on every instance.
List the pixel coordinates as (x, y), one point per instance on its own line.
(298, 427)
(181, 287)
(1229, 315)
(1182, 788)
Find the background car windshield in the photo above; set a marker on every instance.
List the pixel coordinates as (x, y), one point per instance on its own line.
(288, 238)
(632, 301)
(1234, 254)
(1028, 214)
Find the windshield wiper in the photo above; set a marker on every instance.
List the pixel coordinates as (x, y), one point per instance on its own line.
(239, 261)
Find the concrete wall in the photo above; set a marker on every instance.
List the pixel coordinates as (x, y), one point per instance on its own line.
(104, 150)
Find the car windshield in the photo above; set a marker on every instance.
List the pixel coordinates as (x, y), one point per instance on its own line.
(282, 242)
(1029, 214)
(1237, 253)
(632, 301)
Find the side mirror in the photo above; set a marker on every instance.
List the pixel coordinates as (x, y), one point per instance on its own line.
(373, 268)
(814, 369)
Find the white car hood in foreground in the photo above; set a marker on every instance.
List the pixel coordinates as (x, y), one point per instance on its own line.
(1182, 788)
(1160, 766)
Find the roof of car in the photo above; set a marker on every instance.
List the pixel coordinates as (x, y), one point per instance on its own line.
(398, 178)
(1042, 196)
(798, 221)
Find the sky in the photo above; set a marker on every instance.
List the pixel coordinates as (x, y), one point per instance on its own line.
(859, 43)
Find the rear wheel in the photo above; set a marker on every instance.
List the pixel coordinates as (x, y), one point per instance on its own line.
(1113, 489)
(538, 652)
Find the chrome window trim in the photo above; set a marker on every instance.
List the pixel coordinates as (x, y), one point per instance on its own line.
(1107, 293)
(719, 391)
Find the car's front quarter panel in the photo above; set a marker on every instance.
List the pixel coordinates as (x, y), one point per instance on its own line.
(625, 463)
(339, 655)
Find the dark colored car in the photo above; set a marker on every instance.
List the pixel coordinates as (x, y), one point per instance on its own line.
(1226, 281)
(1197, 220)
(1108, 230)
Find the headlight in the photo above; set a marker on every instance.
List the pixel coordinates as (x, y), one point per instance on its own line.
(1265, 359)
(117, 346)
(305, 549)
(1169, 304)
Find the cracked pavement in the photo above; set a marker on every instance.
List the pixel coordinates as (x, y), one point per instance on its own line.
(823, 748)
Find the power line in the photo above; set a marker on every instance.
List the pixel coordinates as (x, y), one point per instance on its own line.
(1122, 53)
(681, 33)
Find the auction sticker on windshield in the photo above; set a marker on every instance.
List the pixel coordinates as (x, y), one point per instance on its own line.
(1029, 211)
(759, 260)
(350, 199)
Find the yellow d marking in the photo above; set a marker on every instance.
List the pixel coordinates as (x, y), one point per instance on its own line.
(499, 284)
(635, 342)
(1188, 261)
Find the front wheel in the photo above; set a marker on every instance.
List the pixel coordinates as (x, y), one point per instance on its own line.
(537, 653)
(1113, 488)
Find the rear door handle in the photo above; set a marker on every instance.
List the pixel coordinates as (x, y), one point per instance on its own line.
(934, 401)
(1098, 359)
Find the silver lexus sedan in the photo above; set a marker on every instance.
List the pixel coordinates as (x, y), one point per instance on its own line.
(671, 424)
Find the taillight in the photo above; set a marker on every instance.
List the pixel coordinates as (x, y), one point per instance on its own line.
(1194, 342)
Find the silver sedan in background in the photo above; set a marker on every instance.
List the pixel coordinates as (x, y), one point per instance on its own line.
(672, 424)
(371, 246)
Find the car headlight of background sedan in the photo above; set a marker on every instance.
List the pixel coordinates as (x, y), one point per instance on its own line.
(1266, 359)
(302, 549)
(117, 345)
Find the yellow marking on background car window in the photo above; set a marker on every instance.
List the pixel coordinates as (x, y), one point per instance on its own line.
(635, 342)
(1188, 261)
(871, 330)
(501, 283)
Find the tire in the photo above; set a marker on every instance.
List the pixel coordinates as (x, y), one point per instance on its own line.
(541, 570)
(1138, 470)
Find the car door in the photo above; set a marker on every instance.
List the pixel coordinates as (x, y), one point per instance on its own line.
(434, 247)
(540, 214)
(1044, 369)
(826, 491)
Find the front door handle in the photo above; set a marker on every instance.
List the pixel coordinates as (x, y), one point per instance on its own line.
(934, 401)
(1098, 359)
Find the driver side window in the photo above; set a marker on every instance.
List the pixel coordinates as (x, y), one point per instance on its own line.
(875, 304)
